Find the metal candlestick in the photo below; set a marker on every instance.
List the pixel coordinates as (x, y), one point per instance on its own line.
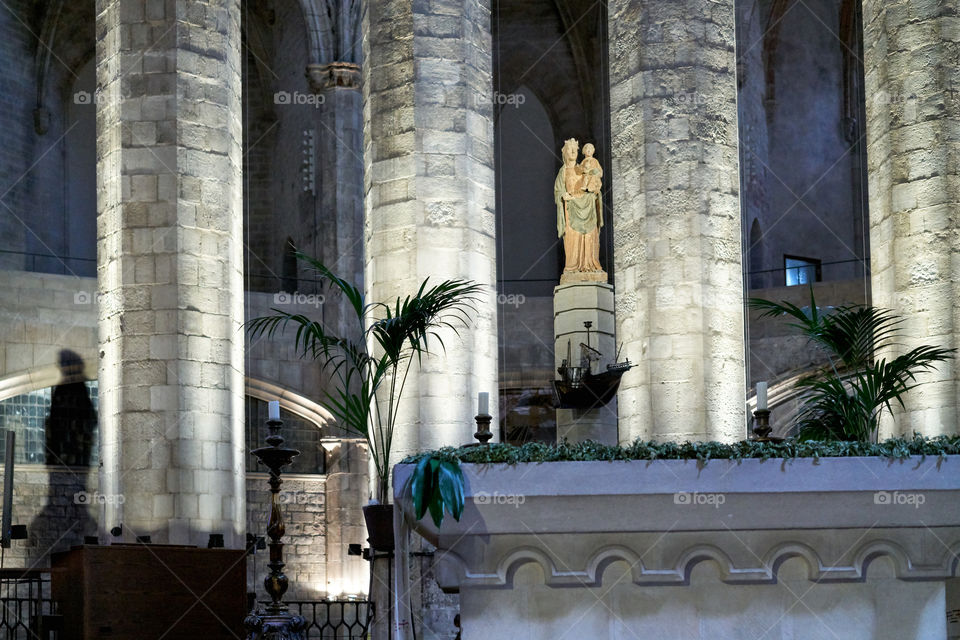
(483, 433)
(275, 623)
(762, 428)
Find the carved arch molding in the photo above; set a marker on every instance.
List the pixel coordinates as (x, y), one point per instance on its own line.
(741, 557)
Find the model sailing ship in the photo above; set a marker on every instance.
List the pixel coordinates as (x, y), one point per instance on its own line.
(579, 387)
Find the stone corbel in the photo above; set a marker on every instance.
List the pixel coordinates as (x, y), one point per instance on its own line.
(344, 75)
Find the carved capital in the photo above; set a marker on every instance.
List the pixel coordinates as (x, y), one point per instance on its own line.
(345, 75)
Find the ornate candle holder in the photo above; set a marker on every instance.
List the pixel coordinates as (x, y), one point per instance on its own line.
(762, 428)
(275, 623)
(483, 433)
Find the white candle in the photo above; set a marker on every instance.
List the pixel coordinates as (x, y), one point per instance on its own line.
(761, 396)
(273, 410)
(483, 402)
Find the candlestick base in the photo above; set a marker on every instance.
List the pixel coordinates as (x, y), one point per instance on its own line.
(762, 429)
(262, 626)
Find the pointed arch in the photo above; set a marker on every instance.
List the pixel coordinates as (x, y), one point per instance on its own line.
(333, 30)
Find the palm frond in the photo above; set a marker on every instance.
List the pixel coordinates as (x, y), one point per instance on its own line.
(845, 400)
(353, 295)
(311, 339)
(399, 331)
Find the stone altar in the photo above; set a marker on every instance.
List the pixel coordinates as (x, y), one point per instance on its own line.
(852, 548)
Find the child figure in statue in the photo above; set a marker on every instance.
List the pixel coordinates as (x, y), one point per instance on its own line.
(592, 173)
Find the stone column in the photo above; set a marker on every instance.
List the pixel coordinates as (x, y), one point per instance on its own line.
(170, 280)
(428, 156)
(677, 246)
(345, 489)
(912, 67)
(339, 129)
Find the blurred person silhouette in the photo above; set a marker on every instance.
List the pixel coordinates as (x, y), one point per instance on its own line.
(72, 420)
(66, 517)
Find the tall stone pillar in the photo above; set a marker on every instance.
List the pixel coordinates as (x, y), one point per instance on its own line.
(677, 246)
(912, 73)
(334, 73)
(339, 129)
(428, 156)
(170, 280)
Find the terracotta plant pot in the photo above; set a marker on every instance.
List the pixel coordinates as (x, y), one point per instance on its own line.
(379, 519)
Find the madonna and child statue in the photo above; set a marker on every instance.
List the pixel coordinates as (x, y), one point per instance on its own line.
(580, 214)
(583, 299)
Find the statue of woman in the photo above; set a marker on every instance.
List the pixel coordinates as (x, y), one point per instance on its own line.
(579, 217)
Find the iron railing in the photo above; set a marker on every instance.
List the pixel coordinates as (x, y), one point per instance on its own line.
(334, 619)
(27, 612)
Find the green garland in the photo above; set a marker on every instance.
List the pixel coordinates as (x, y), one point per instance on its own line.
(895, 448)
(437, 483)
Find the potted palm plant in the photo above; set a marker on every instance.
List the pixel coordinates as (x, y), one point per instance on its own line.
(846, 398)
(370, 369)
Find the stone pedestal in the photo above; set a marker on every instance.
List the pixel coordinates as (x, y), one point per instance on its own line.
(574, 304)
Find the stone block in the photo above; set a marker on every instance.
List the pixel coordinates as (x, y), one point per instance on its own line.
(583, 296)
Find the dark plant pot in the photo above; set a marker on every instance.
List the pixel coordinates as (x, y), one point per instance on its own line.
(379, 519)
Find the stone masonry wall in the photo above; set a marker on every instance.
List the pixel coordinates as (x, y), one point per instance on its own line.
(428, 154)
(677, 245)
(41, 314)
(304, 512)
(170, 267)
(60, 506)
(912, 66)
(16, 106)
(810, 183)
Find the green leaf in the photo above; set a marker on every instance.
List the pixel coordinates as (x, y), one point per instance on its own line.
(368, 384)
(420, 487)
(451, 487)
(437, 485)
(845, 400)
